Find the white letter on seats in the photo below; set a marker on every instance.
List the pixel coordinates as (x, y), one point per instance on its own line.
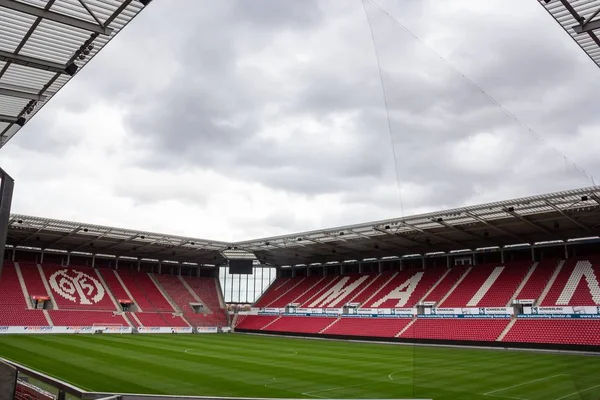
(399, 293)
(337, 292)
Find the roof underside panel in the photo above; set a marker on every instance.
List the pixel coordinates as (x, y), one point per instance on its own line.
(581, 20)
(552, 217)
(39, 39)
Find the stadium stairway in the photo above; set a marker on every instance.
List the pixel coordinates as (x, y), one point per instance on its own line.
(550, 282)
(507, 329)
(536, 282)
(23, 287)
(165, 293)
(447, 284)
(523, 283)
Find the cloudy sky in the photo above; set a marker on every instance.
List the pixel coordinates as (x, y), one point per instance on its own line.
(237, 119)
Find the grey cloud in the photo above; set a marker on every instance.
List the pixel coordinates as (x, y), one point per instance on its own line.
(194, 100)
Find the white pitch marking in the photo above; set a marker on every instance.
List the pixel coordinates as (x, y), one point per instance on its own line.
(580, 391)
(337, 388)
(395, 372)
(520, 384)
(506, 397)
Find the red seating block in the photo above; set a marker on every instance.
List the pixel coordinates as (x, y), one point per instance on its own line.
(85, 318)
(446, 284)
(555, 331)
(256, 322)
(300, 324)
(456, 329)
(145, 293)
(538, 280)
(153, 320)
(376, 327)
(33, 279)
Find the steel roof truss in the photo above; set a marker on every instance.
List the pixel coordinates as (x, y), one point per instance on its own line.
(21, 94)
(458, 229)
(28, 238)
(120, 242)
(54, 16)
(8, 118)
(583, 226)
(81, 246)
(527, 221)
(497, 228)
(68, 235)
(430, 234)
(376, 239)
(588, 26)
(32, 62)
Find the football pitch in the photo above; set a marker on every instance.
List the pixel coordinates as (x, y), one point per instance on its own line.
(238, 365)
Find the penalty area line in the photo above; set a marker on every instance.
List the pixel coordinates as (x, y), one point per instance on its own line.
(491, 393)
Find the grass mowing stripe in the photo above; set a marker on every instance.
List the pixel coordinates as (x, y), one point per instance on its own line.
(259, 366)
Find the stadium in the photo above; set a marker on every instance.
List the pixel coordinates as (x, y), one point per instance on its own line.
(497, 300)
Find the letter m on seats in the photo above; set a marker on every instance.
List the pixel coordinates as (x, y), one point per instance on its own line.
(337, 292)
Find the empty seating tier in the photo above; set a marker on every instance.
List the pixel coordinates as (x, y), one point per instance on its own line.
(300, 324)
(85, 318)
(575, 284)
(468, 287)
(256, 322)
(207, 290)
(538, 280)
(406, 288)
(77, 288)
(153, 320)
(376, 327)
(112, 281)
(146, 294)
(303, 286)
(33, 280)
(277, 289)
(456, 329)
(446, 284)
(555, 331)
(11, 295)
(500, 292)
(21, 316)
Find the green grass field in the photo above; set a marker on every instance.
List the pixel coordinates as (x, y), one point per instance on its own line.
(260, 366)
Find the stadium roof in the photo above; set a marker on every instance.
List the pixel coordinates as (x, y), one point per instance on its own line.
(544, 218)
(43, 43)
(581, 20)
(34, 232)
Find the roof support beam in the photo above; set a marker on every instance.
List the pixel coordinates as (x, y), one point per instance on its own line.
(497, 228)
(54, 16)
(8, 118)
(588, 27)
(527, 221)
(28, 238)
(376, 240)
(20, 94)
(74, 231)
(579, 224)
(457, 229)
(388, 232)
(33, 62)
(433, 235)
(91, 242)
